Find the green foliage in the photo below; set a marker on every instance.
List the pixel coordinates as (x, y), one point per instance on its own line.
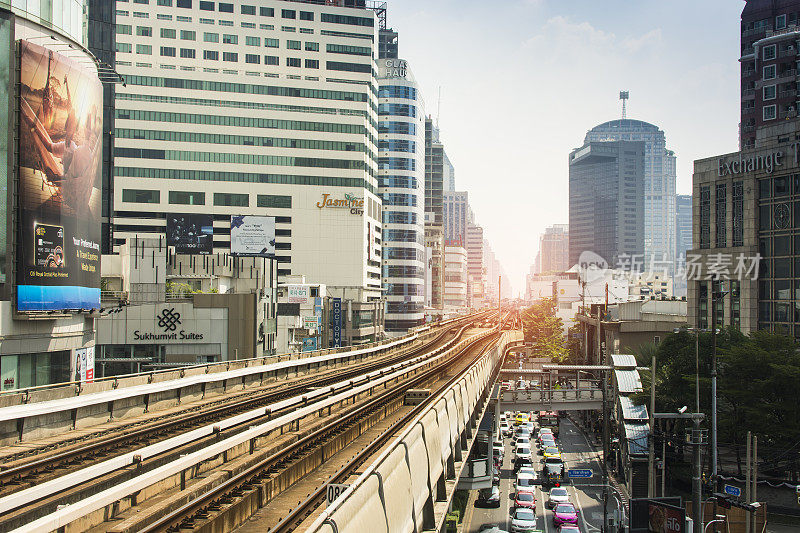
(545, 330)
(756, 385)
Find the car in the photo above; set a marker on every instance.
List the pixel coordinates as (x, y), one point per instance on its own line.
(565, 513)
(552, 452)
(542, 431)
(523, 521)
(525, 498)
(496, 476)
(553, 471)
(524, 482)
(491, 528)
(523, 440)
(505, 429)
(523, 450)
(557, 495)
(497, 456)
(527, 470)
(522, 462)
(546, 443)
(489, 497)
(571, 528)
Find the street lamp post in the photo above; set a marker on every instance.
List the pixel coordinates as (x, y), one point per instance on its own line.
(716, 295)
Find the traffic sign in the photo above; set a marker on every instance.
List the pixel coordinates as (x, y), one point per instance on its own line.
(334, 491)
(583, 473)
(733, 491)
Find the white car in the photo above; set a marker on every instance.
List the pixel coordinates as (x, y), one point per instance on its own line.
(523, 520)
(527, 470)
(523, 440)
(523, 452)
(557, 495)
(524, 481)
(498, 452)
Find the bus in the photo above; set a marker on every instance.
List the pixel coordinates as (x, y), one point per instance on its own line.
(549, 419)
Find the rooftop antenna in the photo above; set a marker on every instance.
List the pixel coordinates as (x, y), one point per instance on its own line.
(438, 106)
(624, 95)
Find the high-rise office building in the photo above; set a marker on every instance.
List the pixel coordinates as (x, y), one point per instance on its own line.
(659, 185)
(455, 276)
(683, 224)
(401, 176)
(244, 108)
(606, 197)
(554, 249)
(434, 174)
(474, 244)
(769, 53)
(448, 174)
(457, 215)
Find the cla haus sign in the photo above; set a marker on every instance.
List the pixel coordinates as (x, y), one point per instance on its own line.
(351, 202)
(396, 68)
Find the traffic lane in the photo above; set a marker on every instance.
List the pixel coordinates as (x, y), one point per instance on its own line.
(578, 453)
(500, 515)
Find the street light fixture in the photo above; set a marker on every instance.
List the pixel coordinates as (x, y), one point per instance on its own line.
(719, 518)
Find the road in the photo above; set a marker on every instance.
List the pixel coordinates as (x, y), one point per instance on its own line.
(577, 453)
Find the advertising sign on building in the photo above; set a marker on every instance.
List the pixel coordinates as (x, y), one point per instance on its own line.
(298, 294)
(336, 309)
(190, 233)
(253, 236)
(665, 518)
(84, 364)
(61, 121)
(310, 322)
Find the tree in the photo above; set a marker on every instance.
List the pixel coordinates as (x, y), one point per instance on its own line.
(544, 330)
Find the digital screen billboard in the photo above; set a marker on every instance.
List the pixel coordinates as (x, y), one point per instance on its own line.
(253, 236)
(61, 119)
(190, 233)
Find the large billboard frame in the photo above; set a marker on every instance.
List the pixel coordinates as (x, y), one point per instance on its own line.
(253, 236)
(183, 228)
(59, 116)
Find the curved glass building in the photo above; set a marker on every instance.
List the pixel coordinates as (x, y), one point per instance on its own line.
(401, 175)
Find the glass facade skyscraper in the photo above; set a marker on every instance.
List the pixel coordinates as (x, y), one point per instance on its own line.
(659, 185)
(401, 186)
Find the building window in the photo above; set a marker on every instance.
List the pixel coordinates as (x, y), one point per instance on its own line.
(141, 196)
(144, 49)
(266, 11)
(187, 198)
(272, 60)
(211, 37)
(780, 22)
(231, 199)
(230, 39)
(293, 45)
(168, 33)
(705, 217)
(769, 72)
(292, 61)
(248, 10)
(168, 51)
(738, 213)
(312, 63)
(769, 112)
(271, 43)
(187, 53)
(225, 8)
(288, 13)
(253, 59)
(125, 48)
(721, 214)
(188, 35)
(184, 3)
(769, 92)
(211, 55)
(306, 15)
(312, 47)
(206, 6)
(252, 41)
(231, 57)
(770, 52)
(144, 31)
(274, 200)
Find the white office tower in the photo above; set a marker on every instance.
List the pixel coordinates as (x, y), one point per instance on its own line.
(252, 107)
(401, 176)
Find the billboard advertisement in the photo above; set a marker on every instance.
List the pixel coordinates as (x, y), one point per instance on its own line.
(253, 236)
(336, 311)
(84, 365)
(60, 126)
(190, 233)
(298, 294)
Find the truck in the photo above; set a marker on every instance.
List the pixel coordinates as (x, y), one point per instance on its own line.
(553, 471)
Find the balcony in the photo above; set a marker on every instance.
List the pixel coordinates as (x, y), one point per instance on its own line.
(750, 128)
(748, 93)
(747, 73)
(791, 93)
(791, 52)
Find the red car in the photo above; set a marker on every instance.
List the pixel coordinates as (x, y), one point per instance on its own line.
(565, 513)
(525, 498)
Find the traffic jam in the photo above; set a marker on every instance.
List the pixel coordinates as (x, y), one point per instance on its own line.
(527, 448)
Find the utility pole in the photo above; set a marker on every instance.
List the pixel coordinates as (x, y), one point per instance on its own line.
(499, 304)
(747, 493)
(697, 477)
(716, 293)
(755, 483)
(663, 465)
(651, 472)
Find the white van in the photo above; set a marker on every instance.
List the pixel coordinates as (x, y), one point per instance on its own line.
(523, 451)
(524, 482)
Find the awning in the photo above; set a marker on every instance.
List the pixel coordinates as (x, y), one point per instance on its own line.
(631, 411)
(628, 381)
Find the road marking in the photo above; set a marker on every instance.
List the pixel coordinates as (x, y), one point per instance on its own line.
(544, 513)
(586, 523)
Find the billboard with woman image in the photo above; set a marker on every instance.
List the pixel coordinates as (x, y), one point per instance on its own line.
(60, 122)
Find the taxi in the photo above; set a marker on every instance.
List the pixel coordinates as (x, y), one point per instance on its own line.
(551, 452)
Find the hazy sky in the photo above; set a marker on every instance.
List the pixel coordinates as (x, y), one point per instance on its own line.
(523, 80)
